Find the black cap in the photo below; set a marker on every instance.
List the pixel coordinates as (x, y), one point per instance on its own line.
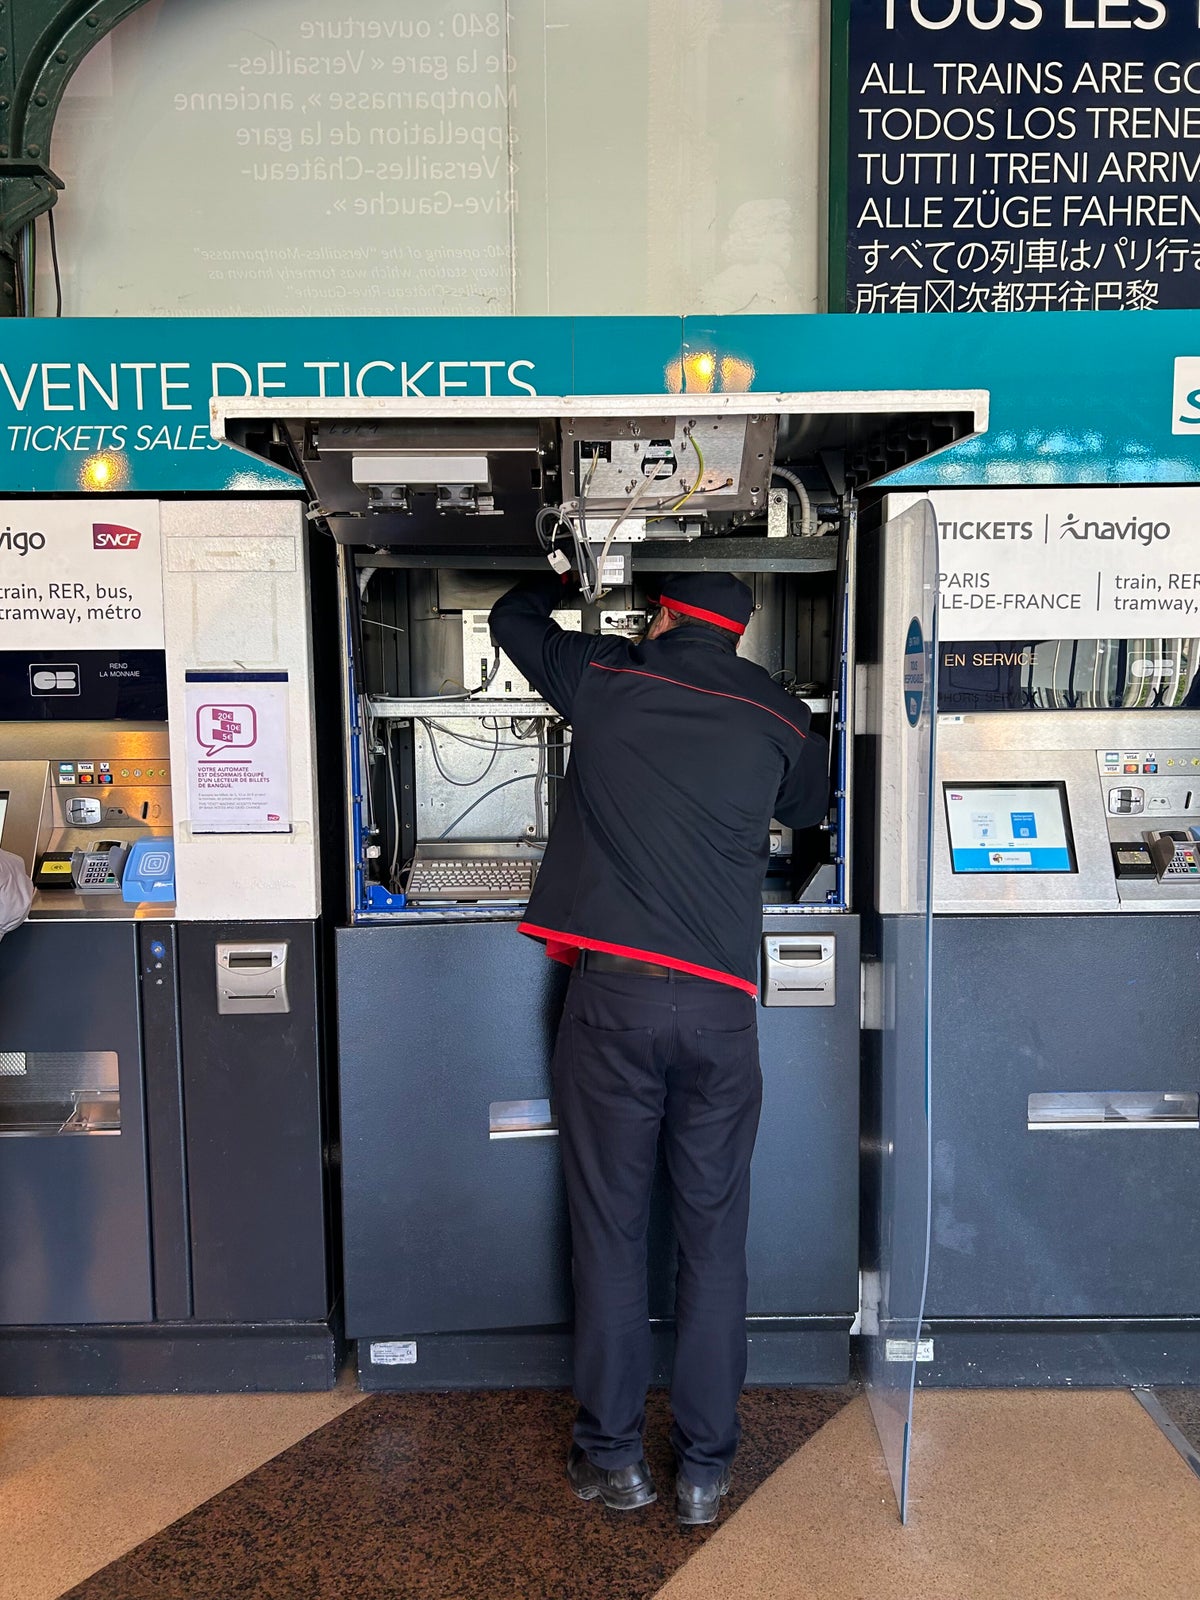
(711, 596)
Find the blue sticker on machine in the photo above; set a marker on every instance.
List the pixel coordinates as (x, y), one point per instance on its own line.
(915, 670)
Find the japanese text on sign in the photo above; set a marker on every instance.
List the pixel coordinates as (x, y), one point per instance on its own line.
(1013, 155)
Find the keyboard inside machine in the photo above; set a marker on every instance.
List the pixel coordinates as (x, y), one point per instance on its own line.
(470, 875)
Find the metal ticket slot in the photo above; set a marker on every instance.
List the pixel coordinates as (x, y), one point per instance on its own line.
(251, 979)
(799, 971)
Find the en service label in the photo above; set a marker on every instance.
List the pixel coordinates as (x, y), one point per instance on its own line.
(914, 672)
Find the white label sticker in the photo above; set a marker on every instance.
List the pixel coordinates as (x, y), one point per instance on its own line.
(902, 1350)
(394, 1353)
(613, 573)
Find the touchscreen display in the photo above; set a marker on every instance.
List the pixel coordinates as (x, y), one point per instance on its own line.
(1009, 827)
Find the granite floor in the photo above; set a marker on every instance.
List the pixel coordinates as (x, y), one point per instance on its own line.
(457, 1496)
(1183, 1408)
(1025, 1495)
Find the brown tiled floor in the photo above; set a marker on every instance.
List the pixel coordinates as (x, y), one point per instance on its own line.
(444, 1497)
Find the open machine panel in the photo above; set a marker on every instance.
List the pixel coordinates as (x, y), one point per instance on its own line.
(438, 506)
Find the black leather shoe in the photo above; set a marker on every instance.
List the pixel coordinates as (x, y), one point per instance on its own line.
(695, 1506)
(620, 1488)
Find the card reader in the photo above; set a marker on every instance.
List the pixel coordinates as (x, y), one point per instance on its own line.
(1174, 852)
(53, 870)
(98, 871)
(1132, 859)
(149, 877)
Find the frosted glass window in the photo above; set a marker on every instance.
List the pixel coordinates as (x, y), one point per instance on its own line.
(263, 157)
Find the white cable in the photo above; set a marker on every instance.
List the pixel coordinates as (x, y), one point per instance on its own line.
(540, 779)
(467, 694)
(461, 783)
(522, 777)
(476, 743)
(391, 779)
(585, 562)
(589, 586)
(368, 741)
(807, 525)
(599, 591)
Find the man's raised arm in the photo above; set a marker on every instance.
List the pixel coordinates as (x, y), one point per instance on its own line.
(552, 658)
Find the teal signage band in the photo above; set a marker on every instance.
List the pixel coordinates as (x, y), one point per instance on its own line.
(121, 405)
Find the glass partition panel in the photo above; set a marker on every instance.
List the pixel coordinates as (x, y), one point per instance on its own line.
(895, 1286)
(259, 158)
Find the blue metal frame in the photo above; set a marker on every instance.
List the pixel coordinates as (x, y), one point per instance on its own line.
(839, 900)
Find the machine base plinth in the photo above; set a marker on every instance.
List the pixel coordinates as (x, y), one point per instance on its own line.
(1060, 1353)
(170, 1358)
(809, 1351)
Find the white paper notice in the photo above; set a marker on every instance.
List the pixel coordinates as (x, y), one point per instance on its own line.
(1068, 563)
(237, 752)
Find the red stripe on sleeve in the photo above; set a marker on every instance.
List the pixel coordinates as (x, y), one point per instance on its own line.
(636, 672)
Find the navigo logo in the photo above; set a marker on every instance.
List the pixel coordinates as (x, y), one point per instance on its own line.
(1185, 412)
(111, 536)
(21, 540)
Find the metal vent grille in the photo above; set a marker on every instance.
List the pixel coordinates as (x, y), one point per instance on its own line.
(12, 1063)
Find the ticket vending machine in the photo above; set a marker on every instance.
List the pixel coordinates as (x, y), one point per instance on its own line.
(1065, 1112)
(165, 1122)
(456, 1253)
(80, 803)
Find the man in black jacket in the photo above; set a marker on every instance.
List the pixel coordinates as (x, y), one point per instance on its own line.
(651, 888)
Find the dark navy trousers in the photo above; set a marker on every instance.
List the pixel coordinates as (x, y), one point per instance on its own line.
(638, 1057)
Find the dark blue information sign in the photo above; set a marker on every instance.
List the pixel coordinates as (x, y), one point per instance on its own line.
(1023, 155)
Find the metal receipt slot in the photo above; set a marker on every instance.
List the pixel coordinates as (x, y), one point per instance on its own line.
(251, 979)
(799, 971)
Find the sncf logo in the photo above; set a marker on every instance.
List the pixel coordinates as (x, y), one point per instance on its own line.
(1185, 414)
(111, 536)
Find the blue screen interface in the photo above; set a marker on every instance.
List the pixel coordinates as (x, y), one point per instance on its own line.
(1009, 828)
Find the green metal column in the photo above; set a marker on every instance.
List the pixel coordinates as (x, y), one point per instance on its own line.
(839, 137)
(41, 44)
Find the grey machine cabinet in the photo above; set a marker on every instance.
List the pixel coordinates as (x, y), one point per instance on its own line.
(1062, 1223)
(458, 1242)
(75, 1245)
(256, 1132)
(190, 1247)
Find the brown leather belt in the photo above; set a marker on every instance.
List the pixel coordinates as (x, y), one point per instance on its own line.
(605, 961)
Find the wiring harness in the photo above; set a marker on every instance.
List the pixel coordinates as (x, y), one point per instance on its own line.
(570, 519)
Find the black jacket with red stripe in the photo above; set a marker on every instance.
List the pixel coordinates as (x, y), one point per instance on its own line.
(681, 753)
